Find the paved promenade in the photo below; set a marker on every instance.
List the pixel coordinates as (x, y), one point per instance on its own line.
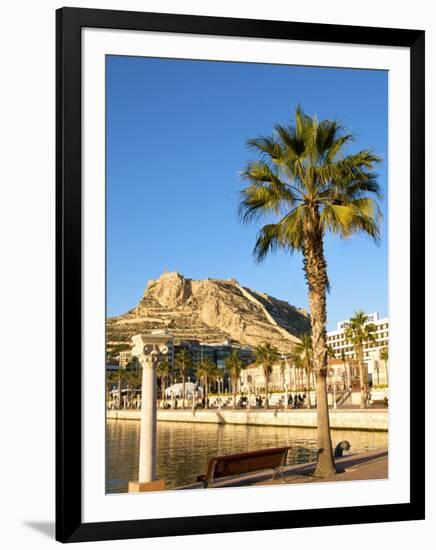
(352, 467)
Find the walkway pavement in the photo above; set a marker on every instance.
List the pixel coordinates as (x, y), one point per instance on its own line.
(368, 465)
(375, 468)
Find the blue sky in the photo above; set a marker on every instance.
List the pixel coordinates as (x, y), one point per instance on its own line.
(176, 133)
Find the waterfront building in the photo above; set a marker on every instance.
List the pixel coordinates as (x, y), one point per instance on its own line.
(342, 375)
(375, 369)
(127, 361)
(284, 372)
(111, 367)
(217, 352)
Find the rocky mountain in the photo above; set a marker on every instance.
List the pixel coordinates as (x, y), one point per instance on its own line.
(210, 310)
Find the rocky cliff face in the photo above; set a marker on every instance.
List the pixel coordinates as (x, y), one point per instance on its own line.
(210, 310)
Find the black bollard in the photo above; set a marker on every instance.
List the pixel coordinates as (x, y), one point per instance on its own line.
(341, 447)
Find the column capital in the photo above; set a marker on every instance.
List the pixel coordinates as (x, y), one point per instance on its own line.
(149, 352)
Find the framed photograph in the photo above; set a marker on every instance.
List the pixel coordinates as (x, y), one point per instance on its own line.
(240, 274)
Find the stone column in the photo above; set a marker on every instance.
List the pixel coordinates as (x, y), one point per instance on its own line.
(149, 352)
(147, 449)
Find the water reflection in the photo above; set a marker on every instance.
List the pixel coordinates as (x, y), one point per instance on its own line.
(183, 448)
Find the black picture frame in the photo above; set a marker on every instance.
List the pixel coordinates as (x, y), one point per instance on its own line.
(69, 22)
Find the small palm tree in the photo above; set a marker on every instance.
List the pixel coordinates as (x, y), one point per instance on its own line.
(207, 371)
(121, 379)
(346, 369)
(266, 356)
(358, 332)
(234, 365)
(306, 180)
(111, 379)
(303, 357)
(163, 371)
(282, 374)
(183, 363)
(384, 356)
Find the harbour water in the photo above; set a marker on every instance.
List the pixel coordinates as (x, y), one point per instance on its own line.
(184, 448)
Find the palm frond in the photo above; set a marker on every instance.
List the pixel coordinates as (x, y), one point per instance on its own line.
(304, 169)
(267, 145)
(268, 241)
(359, 215)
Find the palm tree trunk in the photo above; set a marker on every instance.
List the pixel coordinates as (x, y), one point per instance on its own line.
(163, 392)
(387, 372)
(308, 403)
(234, 393)
(359, 353)
(184, 394)
(316, 276)
(206, 392)
(266, 406)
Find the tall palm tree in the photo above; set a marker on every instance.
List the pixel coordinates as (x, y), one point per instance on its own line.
(306, 180)
(163, 371)
(303, 356)
(183, 363)
(234, 365)
(266, 356)
(208, 371)
(384, 356)
(358, 332)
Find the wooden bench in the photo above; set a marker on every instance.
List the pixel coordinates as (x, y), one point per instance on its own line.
(243, 463)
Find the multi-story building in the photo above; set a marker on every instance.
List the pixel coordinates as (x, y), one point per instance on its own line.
(217, 352)
(376, 369)
(126, 360)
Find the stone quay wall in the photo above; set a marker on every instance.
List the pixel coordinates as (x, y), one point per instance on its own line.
(373, 420)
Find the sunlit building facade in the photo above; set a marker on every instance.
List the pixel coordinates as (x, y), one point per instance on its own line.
(376, 368)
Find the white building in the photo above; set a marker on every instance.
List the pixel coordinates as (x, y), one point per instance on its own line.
(284, 373)
(342, 349)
